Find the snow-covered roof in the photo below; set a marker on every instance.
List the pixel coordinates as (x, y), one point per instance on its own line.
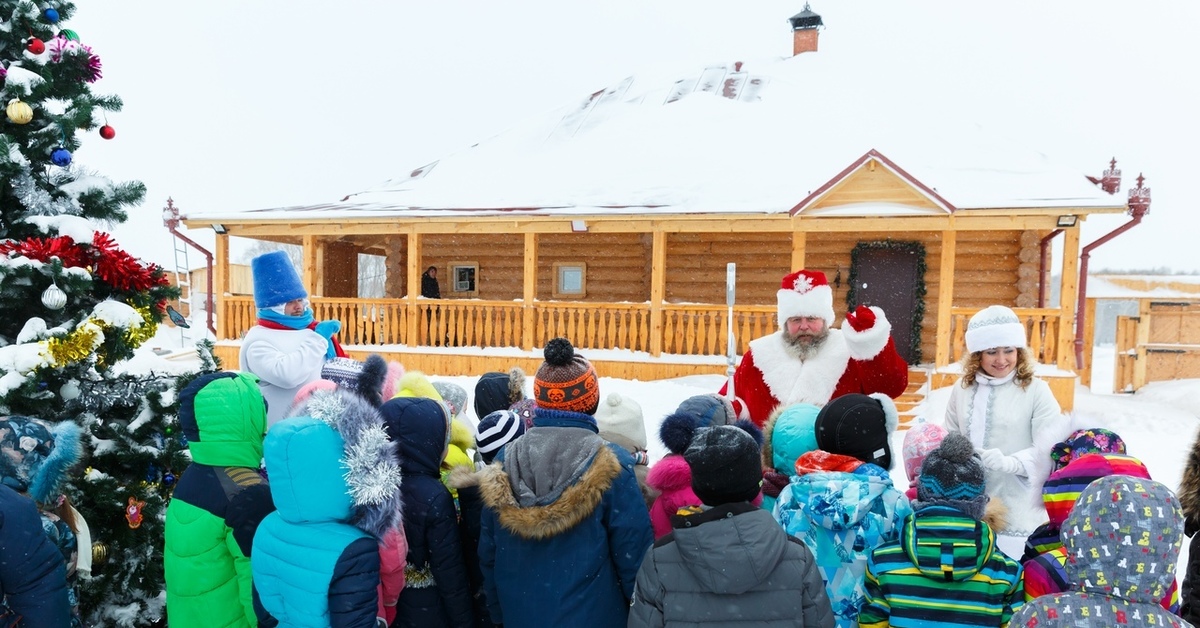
(1144, 287)
(731, 138)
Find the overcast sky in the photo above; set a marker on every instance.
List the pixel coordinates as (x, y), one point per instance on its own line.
(248, 105)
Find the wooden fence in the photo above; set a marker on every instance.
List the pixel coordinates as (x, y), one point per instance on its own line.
(1161, 343)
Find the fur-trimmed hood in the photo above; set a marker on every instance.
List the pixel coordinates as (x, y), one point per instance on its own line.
(576, 502)
(1189, 489)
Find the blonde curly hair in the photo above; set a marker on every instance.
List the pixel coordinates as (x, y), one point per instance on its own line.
(973, 364)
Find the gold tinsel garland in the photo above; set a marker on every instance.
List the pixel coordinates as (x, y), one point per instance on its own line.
(75, 346)
(138, 334)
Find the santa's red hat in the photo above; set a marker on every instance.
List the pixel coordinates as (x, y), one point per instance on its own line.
(806, 293)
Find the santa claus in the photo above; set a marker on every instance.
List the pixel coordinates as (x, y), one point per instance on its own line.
(809, 361)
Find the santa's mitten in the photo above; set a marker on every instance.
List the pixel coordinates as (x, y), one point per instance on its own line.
(861, 319)
(739, 409)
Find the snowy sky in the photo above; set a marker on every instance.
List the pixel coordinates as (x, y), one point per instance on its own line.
(249, 105)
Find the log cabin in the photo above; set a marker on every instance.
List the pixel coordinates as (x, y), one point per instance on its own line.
(611, 221)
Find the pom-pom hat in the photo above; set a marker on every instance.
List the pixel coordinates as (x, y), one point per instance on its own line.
(566, 380)
(275, 280)
(953, 475)
(994, 326)
(622, 416)
(805, 293)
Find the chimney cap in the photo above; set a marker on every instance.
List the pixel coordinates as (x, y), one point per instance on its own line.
(805, 19)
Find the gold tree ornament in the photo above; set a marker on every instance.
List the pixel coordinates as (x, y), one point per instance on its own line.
(54, 298)
(99, 554)
(19, 112)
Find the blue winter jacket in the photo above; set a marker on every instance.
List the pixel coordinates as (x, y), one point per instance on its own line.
(565, 527)
(311, 567)
(33, 577)
(437, 592)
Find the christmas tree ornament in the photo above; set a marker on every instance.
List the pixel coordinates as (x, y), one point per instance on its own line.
(36, 46)
(133, 512)
(169, 478)
(69, 34)
(61, 157)
(107, 132)
(51, 15)
(99, 554)
(54, 298)
(3, 76)
(19, 112)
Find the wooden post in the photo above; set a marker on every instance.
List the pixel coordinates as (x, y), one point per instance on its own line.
(221, 286)
(414, 289)
(1143, 338)
(1089, 339)
(311, 273)
(529, 291)
(944, 352)
(658, 287)
(799, 242)
(1066, 300)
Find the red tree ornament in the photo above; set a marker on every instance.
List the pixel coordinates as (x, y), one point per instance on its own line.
(107, 132)
(36, 46)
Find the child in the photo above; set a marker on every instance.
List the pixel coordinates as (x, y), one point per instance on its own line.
(33, 578)
(918, 442)
(437, 591)
(1189, 498)
(1122, 540)
(218, 503)
(728, 563)
(620, 422)
(789, 433)
(945, 552)
(498, 391)
(333, 478)
(842, 516)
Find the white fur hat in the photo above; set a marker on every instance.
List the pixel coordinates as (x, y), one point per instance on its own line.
(622, 416)
(805, 293)
(994, 326)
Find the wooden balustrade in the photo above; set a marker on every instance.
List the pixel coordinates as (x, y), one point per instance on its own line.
(1041, 331)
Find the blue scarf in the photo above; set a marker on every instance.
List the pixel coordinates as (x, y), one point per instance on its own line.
(304, 321)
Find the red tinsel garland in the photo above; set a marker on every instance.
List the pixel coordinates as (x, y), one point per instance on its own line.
(102, 258)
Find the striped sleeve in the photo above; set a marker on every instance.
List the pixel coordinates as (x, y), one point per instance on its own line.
(875, 610)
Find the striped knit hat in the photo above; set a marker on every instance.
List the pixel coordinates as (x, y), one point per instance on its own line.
(1064, 486)
(566, 380)
(497, 430)
(952, 474)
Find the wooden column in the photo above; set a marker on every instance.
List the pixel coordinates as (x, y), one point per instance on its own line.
(414, 289)
(221, 286)
(1089, 339)
(944, 351)
(311, 273)
(658, 287)
(529, 292)
(1143, 339)
(799, 242)
(1066, 301)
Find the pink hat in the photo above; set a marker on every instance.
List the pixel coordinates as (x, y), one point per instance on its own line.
(918, 442)
(805, 293)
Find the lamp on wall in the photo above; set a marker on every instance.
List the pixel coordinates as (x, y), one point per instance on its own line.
(1067, 221)
(219, 228)
(579, 226)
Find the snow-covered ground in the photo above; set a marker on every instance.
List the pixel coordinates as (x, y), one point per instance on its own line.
(1158, 423)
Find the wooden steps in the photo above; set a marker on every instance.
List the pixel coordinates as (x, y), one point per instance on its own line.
(914, 395)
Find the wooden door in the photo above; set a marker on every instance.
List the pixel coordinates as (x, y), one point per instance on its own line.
(888, 275)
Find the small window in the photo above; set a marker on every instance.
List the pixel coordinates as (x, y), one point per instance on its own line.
(570, 279)
(462, 278)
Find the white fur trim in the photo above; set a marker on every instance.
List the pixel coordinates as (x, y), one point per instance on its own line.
(868, 343)
(889, 411)
(817, 301)
(792, 381)
(994, 326)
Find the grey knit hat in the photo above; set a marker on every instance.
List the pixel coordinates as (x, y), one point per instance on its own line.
(952, 475)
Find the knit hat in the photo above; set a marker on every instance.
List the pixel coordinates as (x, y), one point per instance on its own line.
(35, 457)
(365, 379)
(1063, 487)
(621, 416)
(498, 391)
(697, 412)
(342, 371)
(497, 430)
(524, 409)
(454, 395)
(860, 426)
(994, 326)
(275, 280)
(566, 380)
(1096, 440)
(725, 465)
(952, 474)
(805, 293)
(918, 442)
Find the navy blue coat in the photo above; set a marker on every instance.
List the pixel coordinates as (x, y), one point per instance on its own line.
(436, 590)
(33, 577)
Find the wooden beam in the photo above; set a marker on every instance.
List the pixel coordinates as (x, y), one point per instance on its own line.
(221, 285)
(414, 289)
(311, 272)
(1143, 339)
(1067, 297)
(658, 288)
(943, 352)
(799, 243)
(529, 290)
(1089, 339)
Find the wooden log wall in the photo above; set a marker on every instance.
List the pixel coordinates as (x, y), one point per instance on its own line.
(341, 270)
(618, 265)
(696, 266)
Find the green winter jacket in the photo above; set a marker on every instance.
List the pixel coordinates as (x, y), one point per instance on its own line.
(217, 505)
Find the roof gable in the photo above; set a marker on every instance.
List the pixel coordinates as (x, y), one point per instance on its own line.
(872, 181)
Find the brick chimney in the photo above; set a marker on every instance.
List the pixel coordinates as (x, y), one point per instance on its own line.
(804, 31)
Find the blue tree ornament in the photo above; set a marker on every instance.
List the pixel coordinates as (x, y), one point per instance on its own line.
(61, 157)
(51, 15)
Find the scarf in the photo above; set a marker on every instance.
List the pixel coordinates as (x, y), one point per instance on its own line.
(984, 386)
(274, 320)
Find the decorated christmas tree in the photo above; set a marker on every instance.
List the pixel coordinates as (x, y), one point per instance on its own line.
(74, 308)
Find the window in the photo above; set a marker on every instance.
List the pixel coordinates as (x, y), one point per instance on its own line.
(462, 278)
(570, 279)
